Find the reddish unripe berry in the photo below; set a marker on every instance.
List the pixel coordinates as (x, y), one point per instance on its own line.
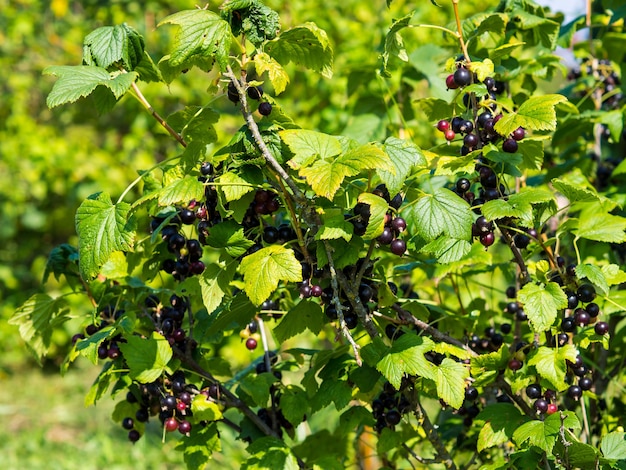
(171, 424)
(443, 125)
(552, 408)
(449, 135)
(487, 239)
(180, 406)
(251, 344)
(515, 364)
(450, 83)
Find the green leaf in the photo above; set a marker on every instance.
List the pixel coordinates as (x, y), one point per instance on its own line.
(600, 226)
(252, 19)
(269, 453)
(306, 45)
(234, 186)
(308, 146)
(575, 192)
(147, 358)
(88, 347)
(518, 205)
(294, 403)
(214, 283)
(37, 319)
(78, 81)
(202, 34)
(501, 421)
(335, 391)
(550, 364)
(275, 72)
(394, 44)
(229, 236)
(613, 274)
(109, 45)
(305, 315)
(102, 227)
(325, 176)
(442, 212)
(594, 274)
(451, 382)
(378, 209)
(116, 266)
(485, 367)
(536, 113)
(181, 190)
(334, 225)
(195, 124)
(476, 256)
(63, 259)
(344, 253)
(435, 109)
(543, 434)
(541, 304)
(257, 387)
(199, 446)
(447, 249)
(263, 270)
(613, 446)
(406, 356)
(405, 156)
(204, 409)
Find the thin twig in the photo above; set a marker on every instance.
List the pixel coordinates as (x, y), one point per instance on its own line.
(506, 388)
(519, 259)
(433, 436)
(455, 5)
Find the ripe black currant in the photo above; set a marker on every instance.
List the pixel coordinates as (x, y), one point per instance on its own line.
(509, 146)
(265, 109)
(462, 77)
(463, 185)
(398, 246)
(586, 293)
(533, 391)
(255, 92)
(601, 328)
(541, 405)
(471, 393)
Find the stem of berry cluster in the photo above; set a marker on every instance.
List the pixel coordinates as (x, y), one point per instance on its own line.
(455, 6)
(433, 436)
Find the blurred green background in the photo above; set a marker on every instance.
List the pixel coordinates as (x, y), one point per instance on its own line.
(50, 160)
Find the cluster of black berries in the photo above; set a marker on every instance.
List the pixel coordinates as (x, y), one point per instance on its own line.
(605, 78)
(491, 341)
(253, 92)
(109, 348)
(484, 230)
(264, 203)
(170, 398)
(168, 319)
(390, 405)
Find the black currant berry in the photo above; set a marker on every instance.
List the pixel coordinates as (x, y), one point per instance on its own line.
(541, 405)
(133, 435)
(593, 309)
(393, 417)
(471, 393)
(398, 247)
(585, 383)
(586, 293)
(463, 185)
(255, 92)
(462, 77)
(509, 146)
(265, 109)
(601, 328)
(270, 235)
(398, 224)
(533, 391)
(574, 391)
(187, 216)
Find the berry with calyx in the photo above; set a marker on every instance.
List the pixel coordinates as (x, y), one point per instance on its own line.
(541, 405)
(574, 391)
(462, 77)
(470, 140)
(585, 383)
(552, 408)
(206, 168)
(398, 224)
(171, 424)
(581, 317)
(463, 185)
(265, 109)
(487, 239)
(184, 427)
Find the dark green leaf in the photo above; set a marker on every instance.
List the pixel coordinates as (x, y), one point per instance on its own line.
(305, 315)
(199, 446)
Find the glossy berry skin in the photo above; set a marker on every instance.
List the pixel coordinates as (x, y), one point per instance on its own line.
(128, 423)
(251, 344)
(487, 239)
(463, 185)
(509, 146)
(265, 109)
(449, 135)
(585, 383)
(541, 405)
(471, 393)
(398, 224)
(533, 391)
(586, 293)
(171, 424)
(133, 435)
(255, 92)
(398, 246)
(519, 134)
(443, 125)
(470, 140)
(184, 427)
(568, 324)
(574, 391)
(601, 328)
(450, 83)
(515, 364)
(393, 417)
(593, 309)
(552, 408)
(462, 77)
(386, 237)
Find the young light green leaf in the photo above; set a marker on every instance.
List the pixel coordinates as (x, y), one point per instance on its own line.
(308, 146)
(450, 380)
(378, 209)
(536, 113)
(214, 283)
(275, 72)
(234, 186)
(181, 190)
(550, 364)
(229, 236)
(78, 81)
(600, 226)
(109, 45)
(37, 318)
(406, 356)
(575, 192)
(147, 358)
(201, 33)
(613, 446)
(205, 410)
(394, 44)
(263, 270)
(102, 227)
(334, 225)
(404, 155)
(613, 274)
(252, 19)
(326, 176)
(442, 212)
(306, 45)
(594, 274)
(536, 433)
(501, 421)
(541, 304)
